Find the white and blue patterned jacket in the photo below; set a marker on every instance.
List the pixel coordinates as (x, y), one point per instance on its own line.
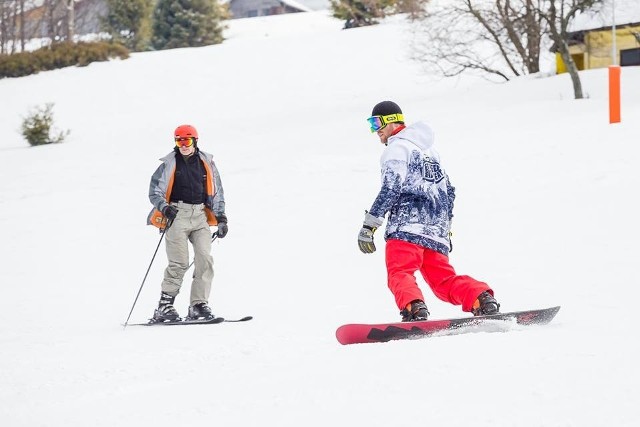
(415, 191)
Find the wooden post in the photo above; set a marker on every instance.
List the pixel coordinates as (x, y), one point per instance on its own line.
(614, 94)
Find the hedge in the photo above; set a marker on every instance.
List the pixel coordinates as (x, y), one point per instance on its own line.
(59, 55)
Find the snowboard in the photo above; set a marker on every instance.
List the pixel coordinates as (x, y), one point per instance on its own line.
(370, 333)
(185, 322)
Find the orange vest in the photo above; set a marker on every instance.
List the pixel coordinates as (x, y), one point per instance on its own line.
(157, 218)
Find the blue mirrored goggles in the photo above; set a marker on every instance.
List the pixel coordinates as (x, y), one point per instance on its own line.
(379, 122)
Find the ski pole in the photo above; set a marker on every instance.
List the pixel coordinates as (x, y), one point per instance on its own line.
(147, 273)
(214, 237)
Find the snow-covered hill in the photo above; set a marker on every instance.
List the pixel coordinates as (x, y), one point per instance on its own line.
(546, 213)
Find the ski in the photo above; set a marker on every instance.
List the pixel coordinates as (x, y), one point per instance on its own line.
(370, 333)
(182, 322)
(185, 322)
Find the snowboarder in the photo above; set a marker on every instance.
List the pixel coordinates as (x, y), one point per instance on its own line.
(418, 196)
(188, 198)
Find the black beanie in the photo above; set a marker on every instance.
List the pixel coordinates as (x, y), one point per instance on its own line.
(385, 108)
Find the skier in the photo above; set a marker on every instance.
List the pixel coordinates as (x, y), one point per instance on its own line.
(188, 198)
(418, 196)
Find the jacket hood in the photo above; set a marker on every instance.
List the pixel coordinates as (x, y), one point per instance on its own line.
(418, 133)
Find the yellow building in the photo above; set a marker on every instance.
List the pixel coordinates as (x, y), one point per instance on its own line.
(592, 48)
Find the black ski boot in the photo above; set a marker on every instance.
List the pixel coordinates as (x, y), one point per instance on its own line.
(200, 311)
(165, 311)
(485, 305)
(415, 311)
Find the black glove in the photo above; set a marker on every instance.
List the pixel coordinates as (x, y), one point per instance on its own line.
(170, 212)
(365, 240)
(365, 237)
(223, 229)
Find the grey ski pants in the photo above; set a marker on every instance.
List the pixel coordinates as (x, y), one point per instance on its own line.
(190, 225)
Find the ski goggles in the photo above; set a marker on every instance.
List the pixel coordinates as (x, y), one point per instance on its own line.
(185, 142)
(379, 122)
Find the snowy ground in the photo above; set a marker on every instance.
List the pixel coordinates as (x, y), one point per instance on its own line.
(545, 213)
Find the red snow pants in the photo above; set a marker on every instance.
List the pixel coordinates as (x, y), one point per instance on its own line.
(404, 259)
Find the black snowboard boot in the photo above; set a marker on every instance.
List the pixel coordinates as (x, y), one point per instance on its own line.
(485, 305)
(165, 311)
(200, 311)
(415, 311)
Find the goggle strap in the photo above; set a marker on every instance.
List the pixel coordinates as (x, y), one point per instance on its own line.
(392, 118)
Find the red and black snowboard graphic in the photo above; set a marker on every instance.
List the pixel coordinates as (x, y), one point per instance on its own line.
(364, 333)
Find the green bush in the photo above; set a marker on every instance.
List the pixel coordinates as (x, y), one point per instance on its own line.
(360, 13)
(188, 23)
(37, 127)
(59, 55)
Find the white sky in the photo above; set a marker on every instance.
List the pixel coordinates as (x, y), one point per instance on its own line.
(546, 213)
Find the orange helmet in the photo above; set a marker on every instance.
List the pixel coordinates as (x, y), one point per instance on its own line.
(185, 131)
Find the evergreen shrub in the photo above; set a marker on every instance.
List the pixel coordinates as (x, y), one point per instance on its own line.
(59, 55)
(37, 127)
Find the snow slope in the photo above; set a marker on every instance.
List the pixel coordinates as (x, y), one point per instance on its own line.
(546, 213)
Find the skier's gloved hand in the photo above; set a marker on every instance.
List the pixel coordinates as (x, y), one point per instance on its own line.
(170, 212)
(223, 229)
(365, 240)
(365, 237)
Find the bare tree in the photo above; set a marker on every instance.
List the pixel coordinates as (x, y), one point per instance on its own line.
(558, 14)
(3, 28)
(13, 35)
(58, 19)
(7, 25)
(89, 15)
(524, 28)
(71, 19)
(55, 20)
(49, 14)
(22, 31)
(499, 38)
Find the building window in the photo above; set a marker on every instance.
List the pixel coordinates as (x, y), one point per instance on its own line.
(630, 57)
(252, 13)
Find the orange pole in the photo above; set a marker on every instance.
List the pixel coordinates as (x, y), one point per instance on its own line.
(614, 94)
